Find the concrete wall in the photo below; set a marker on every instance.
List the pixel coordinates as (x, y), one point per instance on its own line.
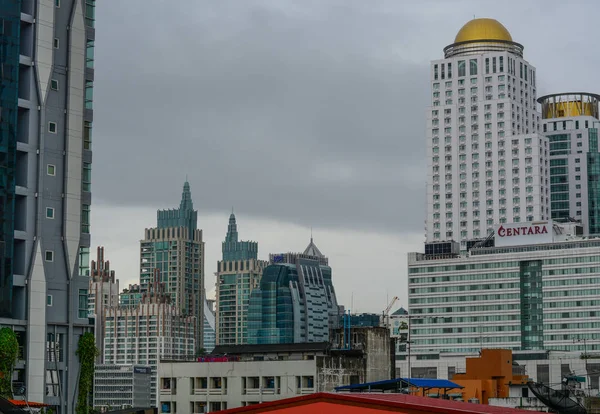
(236, 388)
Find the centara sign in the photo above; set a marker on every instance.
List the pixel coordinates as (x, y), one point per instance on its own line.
(515, 234)
(522, 231)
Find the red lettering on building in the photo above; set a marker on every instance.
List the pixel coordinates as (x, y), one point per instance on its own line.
(521, 231)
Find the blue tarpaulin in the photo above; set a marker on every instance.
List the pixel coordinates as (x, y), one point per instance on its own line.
(399, 383)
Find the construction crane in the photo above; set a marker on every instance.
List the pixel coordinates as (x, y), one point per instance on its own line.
(386, 312)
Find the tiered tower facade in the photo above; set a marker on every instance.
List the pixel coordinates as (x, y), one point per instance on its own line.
(486, 161)
(103, 294)
(238, 274)
(175, 247)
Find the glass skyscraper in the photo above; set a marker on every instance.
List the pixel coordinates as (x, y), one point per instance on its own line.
(238, 274)
(176, 249)
(570, 121)
(46, 115)
(295, 301)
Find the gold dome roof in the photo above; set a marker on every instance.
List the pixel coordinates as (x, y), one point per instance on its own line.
(483, 29)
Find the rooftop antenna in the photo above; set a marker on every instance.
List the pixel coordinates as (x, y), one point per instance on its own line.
(311, 236)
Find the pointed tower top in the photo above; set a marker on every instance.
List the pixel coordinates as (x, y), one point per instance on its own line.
(186, 197)
(232, 233)
(312, 248)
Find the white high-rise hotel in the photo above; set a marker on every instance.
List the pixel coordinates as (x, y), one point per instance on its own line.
(487, 162)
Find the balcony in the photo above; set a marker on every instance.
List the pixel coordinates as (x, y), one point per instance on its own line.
(168, 391)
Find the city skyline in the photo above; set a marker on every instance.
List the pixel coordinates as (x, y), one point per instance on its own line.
(339, 109)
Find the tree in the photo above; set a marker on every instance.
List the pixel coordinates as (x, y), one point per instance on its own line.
(9, 351)
(87, 353)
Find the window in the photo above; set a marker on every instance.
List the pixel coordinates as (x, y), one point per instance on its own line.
(89, 53)
(49, 300)
(461, 68)
(87, 135)
(51, 169)
(49, 256)
(49, 212)
(52, 127)
(54, 84)
(473, 67)
(89, 94)
(90, 12)
(56, 43)
(83, 303)
(85, 218)
(57, 3)
(86, 180)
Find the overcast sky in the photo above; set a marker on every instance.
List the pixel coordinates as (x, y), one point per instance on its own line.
(298, 114)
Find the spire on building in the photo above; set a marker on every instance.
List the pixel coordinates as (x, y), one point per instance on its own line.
(186, 198)
(312, 249)
(232, 233)
(184, 216)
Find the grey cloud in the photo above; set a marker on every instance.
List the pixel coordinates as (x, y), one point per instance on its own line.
(311, 112)
(304, 115)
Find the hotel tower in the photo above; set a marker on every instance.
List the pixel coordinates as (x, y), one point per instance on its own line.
(487, 163)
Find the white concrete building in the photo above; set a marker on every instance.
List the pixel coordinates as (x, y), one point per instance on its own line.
(122, 386)
(148, 332)
(519, 296)
(240, 375)
(486, 161)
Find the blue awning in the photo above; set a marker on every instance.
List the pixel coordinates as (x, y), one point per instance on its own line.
(400, 383)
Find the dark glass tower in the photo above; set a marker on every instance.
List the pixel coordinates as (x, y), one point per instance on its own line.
(10, 12)
(296, 300)
(238, 274)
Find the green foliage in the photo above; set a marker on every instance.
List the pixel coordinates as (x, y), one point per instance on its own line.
(9, 350)
(87, 353)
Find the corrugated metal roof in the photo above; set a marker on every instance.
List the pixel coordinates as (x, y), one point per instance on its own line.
(380, 401)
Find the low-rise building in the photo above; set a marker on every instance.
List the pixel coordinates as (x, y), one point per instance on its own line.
(122, 386)
(148, 332)
(241, 375)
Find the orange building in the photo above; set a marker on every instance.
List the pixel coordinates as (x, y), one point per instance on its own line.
(489, 376)
(370, 403)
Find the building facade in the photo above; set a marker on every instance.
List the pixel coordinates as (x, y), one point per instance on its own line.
(486, 161)
(251, 374)
(521, 296)
(131, 295)
(45, 196)
(295, 301)
(238, 274)
(545, 367)
(122, 386)
(103, 294)
(175, 247)
(570, 121)
(152, 330)
(209, 325)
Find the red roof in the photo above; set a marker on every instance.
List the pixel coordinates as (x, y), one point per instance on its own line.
(387, 402)
(22, 403)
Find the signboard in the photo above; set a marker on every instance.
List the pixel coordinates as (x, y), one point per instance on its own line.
(142, 370)
(518, 234)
